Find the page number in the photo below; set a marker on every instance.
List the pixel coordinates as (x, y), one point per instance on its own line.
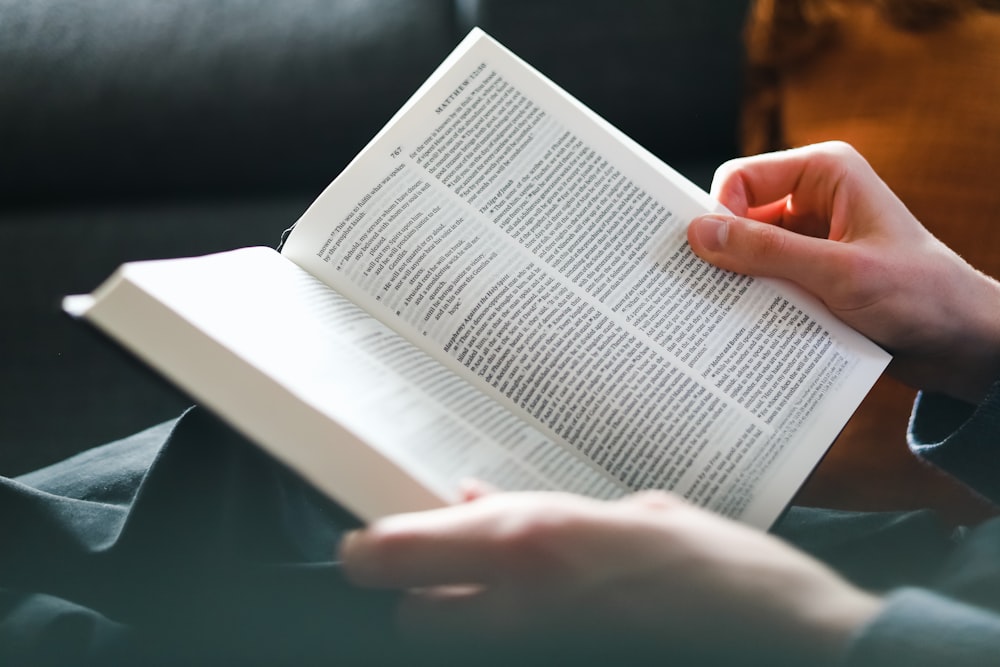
(396, 151)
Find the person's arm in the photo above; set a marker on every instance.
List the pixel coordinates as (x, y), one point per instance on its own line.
(820, 217)
(653, 569)
(649, 571)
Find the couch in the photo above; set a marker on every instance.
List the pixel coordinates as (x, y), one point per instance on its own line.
(152, 128)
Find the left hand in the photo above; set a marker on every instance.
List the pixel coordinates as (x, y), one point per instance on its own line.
(649, 570)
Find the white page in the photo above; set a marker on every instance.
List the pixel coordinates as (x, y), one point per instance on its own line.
(665, 371)
(309, 346)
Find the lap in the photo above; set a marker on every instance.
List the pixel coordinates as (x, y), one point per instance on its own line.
(180, 544)
(185, 543)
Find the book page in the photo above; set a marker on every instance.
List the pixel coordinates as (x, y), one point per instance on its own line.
(363, 414)
(531, 247)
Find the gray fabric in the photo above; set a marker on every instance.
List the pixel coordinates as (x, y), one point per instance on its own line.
(960, 439)
(919, 628)
(180, 545)
(663, 72)
(105, 98)
(65, 388)
(956, 620)
(134, 129)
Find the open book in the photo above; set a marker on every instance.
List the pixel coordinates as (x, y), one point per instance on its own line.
(499, 287)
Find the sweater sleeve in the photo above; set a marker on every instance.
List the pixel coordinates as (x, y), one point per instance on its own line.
(960, 438)
(919, 628)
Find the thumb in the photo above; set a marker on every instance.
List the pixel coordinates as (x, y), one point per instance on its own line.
(761, 249)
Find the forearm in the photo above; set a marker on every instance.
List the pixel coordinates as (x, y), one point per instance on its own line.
(966, 361)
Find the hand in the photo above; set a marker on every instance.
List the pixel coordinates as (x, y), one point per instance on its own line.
(648, 571)
(820, 217)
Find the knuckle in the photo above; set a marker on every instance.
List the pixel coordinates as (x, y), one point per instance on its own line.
(834, 153)
(727, 168)
(529, 533)
(855, 281)
(656, 499)
(840, 158)
(769, 242)
(536, 545)
(388, 549)
(841, 149)
(728, 181)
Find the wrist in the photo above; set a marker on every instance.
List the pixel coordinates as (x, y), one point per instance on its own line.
(824, 617)
(834, 624)
(945, 337)
(975, 349)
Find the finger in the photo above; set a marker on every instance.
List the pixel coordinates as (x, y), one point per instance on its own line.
(437, 612)
(654, 499)
(772, 213)
(791, 215)
(496, 614)
(760, 249)
(454, 545)
(470, 489)
(813, 172)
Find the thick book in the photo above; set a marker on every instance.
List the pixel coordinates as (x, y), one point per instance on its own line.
(499, 287)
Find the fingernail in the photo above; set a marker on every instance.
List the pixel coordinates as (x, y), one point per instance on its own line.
(471, 489)
(356, 567)
(712, 231)
(346, 540)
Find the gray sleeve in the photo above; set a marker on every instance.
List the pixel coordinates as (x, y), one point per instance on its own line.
(919, 628)
(961, 439)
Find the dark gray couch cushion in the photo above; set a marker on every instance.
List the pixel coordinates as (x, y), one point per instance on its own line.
(132, 129)
(65, 387)
(666, 72)
(106, 99)
(103, 99)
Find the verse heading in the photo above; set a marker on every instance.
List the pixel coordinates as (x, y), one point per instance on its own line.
(460, 87)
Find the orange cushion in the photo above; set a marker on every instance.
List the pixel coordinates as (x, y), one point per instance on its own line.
(923, 105)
